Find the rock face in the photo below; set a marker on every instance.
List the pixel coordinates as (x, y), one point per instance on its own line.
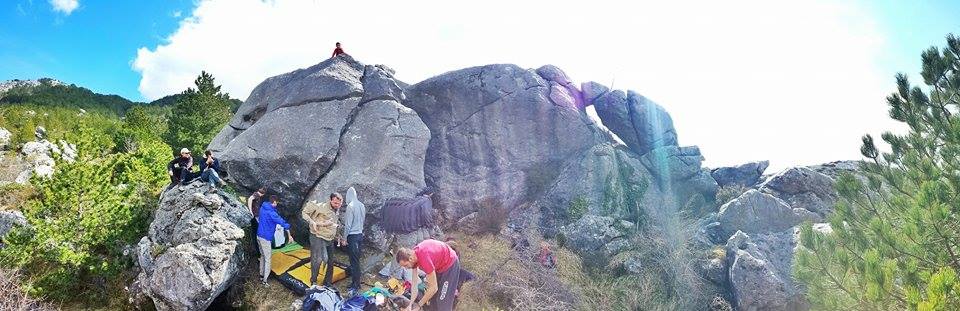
(194, 248)
(496, 135)
(744, 175)
(759, 271)
(803, 188)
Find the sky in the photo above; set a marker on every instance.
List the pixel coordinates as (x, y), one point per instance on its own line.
(793, 82)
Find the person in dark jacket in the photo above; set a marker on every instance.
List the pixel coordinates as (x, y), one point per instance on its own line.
(210, 170)
(268, 222)
(180, 169)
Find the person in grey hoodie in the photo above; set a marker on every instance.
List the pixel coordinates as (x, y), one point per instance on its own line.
(353, 218)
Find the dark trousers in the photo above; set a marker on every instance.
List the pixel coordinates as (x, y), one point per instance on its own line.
(253, 233)
(353, 249)
(447, 282)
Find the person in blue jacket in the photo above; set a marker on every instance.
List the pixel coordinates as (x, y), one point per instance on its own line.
(269, 219)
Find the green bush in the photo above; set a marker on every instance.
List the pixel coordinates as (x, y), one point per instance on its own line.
(82, 217)
(894, 244)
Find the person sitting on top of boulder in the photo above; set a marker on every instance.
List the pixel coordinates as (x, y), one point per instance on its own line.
(180, 168)
(268, 222)
(337, 51)
(210, 170)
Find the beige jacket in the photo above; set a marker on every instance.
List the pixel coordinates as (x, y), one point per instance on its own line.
(324, 216)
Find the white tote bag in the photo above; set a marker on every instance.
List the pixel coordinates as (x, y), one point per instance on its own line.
(279, 237)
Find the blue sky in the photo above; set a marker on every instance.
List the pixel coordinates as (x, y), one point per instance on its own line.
(91, 47)
(744, 80)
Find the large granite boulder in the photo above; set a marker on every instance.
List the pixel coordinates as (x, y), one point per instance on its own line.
(639, 122)
(759, 271)
(287, 134)
(759, 212)
(495, 135)
(194, 248)
(382, 151)
(804, 188)
(326, 128)
(744, 175)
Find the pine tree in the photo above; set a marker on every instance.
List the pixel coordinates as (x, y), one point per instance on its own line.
(198, 115)
(895, 241)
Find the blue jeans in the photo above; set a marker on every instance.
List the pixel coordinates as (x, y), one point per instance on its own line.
(353, 249)
(211, 176)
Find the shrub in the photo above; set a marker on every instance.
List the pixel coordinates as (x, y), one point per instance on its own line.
(82, 217)
(894, 235)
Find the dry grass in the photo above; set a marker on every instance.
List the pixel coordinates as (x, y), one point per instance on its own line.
(254, 296)
(14, 195)
(13, 298)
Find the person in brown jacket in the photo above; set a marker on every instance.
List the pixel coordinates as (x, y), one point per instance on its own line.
(323, 219)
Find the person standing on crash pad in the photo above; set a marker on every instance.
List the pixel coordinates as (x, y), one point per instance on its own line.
(337, 51)
(268, 222)
(353, 217)
(323, 221)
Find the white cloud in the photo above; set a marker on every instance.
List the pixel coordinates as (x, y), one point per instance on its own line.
(64, 6)
(793, 82)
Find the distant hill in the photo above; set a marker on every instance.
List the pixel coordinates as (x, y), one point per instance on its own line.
(51, 92)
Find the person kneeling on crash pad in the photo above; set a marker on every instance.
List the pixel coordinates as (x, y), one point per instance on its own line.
(442, 266)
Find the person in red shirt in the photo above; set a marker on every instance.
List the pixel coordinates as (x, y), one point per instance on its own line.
(442, 266)
(337, 51)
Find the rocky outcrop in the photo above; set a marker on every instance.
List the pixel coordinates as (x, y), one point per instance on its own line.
(760, 271)
(9, 220)
(193, 250)
(639, 122)
(803, 188)
(743, 175)
(758, 212)
(5, 137)
(40, 155)
(591, 234)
